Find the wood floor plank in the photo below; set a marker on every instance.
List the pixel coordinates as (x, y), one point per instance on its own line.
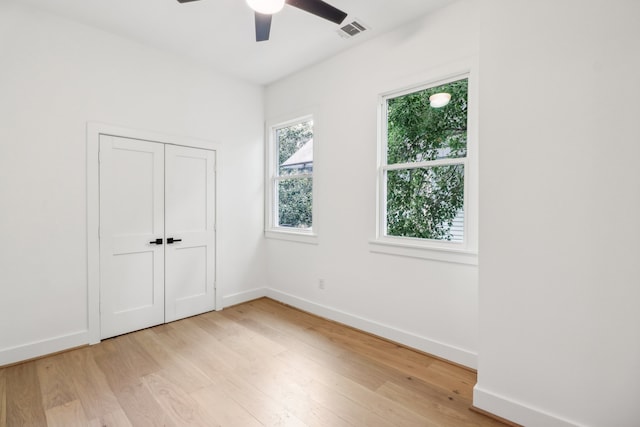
(3, 398)
(173, 366)
(211, 356)
(457, 381)
(352, 367)
(260, 363)
(141, 408)
(392, 355)
(264, 407)
(113, 419)
(293, 322)
(249, 344)
(277, 379)
(56, 383)
(176, 403)
(387, 409)
(24, 402)
(444, 411)
(222, 409)
(69, 414)
(126, 364)
(280, 328)
(91, 385)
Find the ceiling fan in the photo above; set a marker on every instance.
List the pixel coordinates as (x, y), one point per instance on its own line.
(264, 10)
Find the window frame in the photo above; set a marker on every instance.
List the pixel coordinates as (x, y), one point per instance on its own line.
(442, 250)
(272, 230)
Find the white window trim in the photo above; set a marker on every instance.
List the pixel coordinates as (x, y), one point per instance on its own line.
(272, 231)
(461, 253)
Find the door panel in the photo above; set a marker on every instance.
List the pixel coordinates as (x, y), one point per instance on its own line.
(190, 217)
(190, 263)
(133, 210)
(131, 216)
(133, 274)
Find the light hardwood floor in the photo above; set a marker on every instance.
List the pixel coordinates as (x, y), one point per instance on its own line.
(256, 364)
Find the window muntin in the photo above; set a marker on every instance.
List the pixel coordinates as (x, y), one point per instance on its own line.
(292, 177)
(424, 164)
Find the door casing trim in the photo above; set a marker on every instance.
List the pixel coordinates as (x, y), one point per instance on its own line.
(94, 130)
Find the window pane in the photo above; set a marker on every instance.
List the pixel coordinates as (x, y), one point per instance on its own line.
(418, 131)
(426, 203)
(295, 148)
(294, 202)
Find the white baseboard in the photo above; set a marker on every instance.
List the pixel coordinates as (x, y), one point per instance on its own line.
(439, 349)
(445, 351)
(240, 297)
(32, 350)
(515, 411)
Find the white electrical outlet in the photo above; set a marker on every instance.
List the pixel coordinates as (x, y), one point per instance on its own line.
(321, 284)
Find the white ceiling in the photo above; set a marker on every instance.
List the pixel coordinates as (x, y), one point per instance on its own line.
(220, 33)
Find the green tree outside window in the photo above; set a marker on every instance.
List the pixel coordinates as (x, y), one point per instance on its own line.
(426, 148)
(295, 167)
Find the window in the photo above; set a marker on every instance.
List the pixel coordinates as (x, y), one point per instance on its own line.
(423, 167)
(290, 204)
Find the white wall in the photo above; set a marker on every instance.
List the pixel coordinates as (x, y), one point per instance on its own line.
(430, 305)
(55, 76)
(559, 209)
(559, 276)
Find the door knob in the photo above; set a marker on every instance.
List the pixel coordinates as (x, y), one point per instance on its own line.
(156, 242)
(170, 240)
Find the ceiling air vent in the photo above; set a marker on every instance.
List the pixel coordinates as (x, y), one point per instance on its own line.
(352, 29)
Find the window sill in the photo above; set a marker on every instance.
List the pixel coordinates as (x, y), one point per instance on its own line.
(416, 250)
(308, 238)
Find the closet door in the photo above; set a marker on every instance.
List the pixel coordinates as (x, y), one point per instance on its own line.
(131, 235)
(190, 231)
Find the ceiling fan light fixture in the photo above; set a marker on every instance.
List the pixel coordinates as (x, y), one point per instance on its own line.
(439, 100)
(266, 7)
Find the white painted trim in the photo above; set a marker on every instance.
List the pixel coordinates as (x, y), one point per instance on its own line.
(94, 130)
(292, 236)
(439, 349)
(404, 247)
(272, 231)
(425, 164)
(436, 348)
(240, 297)
(151, 136)
(42, 348)
(430, 249)
(93, 230)
(515, 411)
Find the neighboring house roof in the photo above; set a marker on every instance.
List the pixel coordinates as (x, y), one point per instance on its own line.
(302, 157)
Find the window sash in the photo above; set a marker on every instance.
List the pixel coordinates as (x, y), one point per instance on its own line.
(386, 167)
(275, 203)
(272, 226)
(425, 164)
(383, 224)
(297, 176)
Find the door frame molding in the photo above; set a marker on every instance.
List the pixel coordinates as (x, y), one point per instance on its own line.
(94, 130)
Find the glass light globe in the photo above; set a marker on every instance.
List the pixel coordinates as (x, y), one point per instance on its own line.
(438, 100)
(267, 7)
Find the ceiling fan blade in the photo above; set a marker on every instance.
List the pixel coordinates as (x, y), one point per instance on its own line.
(185, 1)
(319, 8)
(263, 27)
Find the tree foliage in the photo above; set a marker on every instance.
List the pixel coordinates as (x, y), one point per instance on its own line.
(294, 194)
(423, 202)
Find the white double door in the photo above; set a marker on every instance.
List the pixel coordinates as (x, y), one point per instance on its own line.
(157, 233)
